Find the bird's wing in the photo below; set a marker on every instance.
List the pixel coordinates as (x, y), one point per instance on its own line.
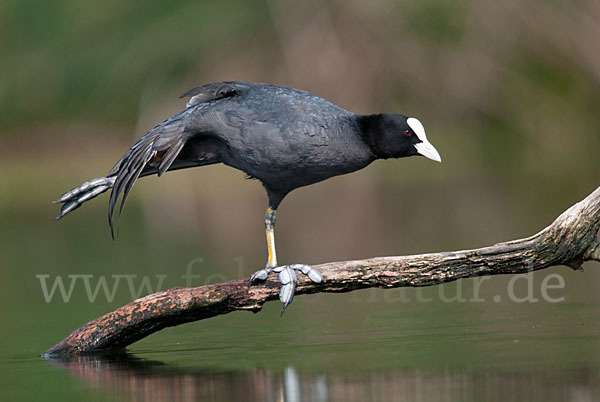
(157, 152)
(162, 143)
(214, 91)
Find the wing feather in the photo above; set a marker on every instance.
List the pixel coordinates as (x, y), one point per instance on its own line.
(169, 157)
(211, 92)
(163, 144)
(168, 137)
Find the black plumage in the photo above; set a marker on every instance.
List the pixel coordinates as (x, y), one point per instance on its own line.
(286, 138)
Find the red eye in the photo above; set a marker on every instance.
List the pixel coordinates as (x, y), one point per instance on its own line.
(407, 133)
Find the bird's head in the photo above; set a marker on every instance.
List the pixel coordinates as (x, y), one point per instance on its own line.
(397, 136)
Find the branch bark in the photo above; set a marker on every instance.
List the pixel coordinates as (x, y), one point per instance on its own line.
(570, 240)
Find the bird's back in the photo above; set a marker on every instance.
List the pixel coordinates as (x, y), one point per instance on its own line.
(285, 137)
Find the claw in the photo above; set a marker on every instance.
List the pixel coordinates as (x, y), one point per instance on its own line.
(75, 197)
(288, 279)
(309, 271)
(85, 187)
(259, 275)
(68, 207)
(315, 276)
(285, 274)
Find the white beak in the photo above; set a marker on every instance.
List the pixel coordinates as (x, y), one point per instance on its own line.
(427, 150)
(424, 147)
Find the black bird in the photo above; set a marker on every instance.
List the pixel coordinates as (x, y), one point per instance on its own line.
(286, 138)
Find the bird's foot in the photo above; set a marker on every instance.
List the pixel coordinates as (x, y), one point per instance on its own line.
(288, 279)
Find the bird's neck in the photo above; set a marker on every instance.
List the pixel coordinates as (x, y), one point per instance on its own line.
(371, 133)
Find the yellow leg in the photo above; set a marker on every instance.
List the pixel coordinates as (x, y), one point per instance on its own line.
(270, 230)
(287, 273)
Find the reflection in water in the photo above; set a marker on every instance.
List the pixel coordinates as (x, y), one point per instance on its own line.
(138, 379)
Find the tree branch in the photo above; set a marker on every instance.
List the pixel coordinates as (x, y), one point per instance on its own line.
(570, 240)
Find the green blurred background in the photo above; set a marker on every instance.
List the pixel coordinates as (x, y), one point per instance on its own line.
(508, 93)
